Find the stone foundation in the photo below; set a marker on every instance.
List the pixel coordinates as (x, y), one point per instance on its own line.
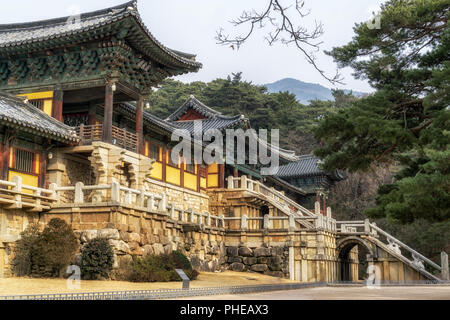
(273, 261)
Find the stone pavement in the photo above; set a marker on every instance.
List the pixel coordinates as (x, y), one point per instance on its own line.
(345, 293)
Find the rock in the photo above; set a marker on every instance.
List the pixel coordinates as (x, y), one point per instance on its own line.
(195, 262)
(148, 250)
(88, 235)
(263, 260)
(262, 252)
(275, 260)
(158, 248)
(259, 268)
(132, 229)
(110, 234)
(277, 251)
(120, 247)
(232, 251)
(131, 237)
(234, 259)
(250, 261)
(245, 252)
(168, 249)
(236, 266)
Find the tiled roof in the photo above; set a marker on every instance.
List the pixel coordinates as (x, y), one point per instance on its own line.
(306, 166)
(148, 117)
(14, 111)
(40, 33)
(201, 108)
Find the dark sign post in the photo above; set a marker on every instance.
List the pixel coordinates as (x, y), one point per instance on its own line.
(183, 277)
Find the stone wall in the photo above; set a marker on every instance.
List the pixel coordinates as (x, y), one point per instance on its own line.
(132, 232)
(273, 261)
(12, 223)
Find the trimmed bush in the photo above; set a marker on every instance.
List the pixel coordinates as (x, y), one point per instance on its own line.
(153, 268)
(97, 259)
(46, 254)
(24, 250)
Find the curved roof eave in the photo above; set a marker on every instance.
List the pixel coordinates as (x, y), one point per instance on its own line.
(45, 30)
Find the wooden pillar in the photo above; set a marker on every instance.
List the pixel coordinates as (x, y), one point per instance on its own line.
(140, 124)
(57, 110)
(221, 176)
(92, 117)
(108, 116)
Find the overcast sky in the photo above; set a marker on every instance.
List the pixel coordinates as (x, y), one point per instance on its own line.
(191, 25)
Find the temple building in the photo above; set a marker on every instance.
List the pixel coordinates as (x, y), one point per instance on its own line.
(78, 144)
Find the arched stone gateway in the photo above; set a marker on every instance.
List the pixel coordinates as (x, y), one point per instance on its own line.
(347, 254)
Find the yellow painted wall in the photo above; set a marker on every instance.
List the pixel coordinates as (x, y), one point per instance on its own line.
(46, 96)
(190, 181)
(157, 171)
(203, 183)
(213, 180)
(48, 107)
(27, 179)
(213, 176)
(173, 175)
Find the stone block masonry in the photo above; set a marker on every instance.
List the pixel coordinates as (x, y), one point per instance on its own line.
(273, 261)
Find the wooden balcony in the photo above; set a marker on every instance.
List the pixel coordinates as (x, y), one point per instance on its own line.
(120, 137)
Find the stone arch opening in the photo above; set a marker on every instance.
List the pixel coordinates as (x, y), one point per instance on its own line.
(353, 253)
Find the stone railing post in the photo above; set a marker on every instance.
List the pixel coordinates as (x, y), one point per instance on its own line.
(222, 218)
(115, 192)
(266, 221)
(244, 182)
(367, 226)
(17, 188)
(291, 222)
(257, 187)
(140, 200)
(128, 197)
(244, 224)
(37, 203)
(162, 204)
(208, 219)
(444, 265)
(151, 203)
(191, 215)
(230, 182)
(317, 208)
(329, 212)
(172, 211)
(79, 195)
(53, 187)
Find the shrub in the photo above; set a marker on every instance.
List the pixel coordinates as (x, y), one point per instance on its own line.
(45, 254)
(160, 268)
(22, 264)
(97, 259)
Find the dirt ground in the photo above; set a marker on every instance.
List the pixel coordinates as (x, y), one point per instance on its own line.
(26, 286)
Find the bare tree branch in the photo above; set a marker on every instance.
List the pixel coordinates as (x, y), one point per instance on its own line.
(283, 29)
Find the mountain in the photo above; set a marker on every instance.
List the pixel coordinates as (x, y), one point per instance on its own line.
(304, 91)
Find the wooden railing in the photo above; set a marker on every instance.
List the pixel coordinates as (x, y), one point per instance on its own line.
(121, 137)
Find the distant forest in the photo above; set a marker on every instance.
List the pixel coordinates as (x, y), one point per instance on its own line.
(233, 96)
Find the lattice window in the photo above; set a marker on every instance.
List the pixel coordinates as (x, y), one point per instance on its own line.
(154, 152)
(37, 103)
(24, 161)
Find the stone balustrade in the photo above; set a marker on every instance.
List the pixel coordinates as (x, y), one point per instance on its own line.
(16, 195)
